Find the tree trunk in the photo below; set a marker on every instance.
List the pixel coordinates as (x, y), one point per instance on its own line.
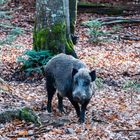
(73, 15)
(51, 31)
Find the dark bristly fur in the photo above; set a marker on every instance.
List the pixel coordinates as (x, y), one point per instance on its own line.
(72, 79)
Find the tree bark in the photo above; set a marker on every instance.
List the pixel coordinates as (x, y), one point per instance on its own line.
(51, 27)
(73, 15)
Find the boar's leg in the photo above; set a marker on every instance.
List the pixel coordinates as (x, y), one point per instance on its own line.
(75, 104)
(83, 109)
(51, 91)
(60, 103)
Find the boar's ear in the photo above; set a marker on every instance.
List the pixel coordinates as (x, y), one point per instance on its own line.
(74, 71)
(93, 75)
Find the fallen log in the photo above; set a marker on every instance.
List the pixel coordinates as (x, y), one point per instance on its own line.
(98, 22)
(25, 113)
(108, 8)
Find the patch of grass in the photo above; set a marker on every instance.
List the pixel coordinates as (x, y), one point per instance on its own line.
(3, 1)
(17, 31)
(99, 83)
(116, 28)
(18, 46)
(12, 35)
(97, 34)
(5, 14)
(93, 23)
(95, 31)
(6, 26)
(132, 85)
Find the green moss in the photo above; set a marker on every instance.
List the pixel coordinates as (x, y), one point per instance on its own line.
(40, 39)
(29, 115)
(52, 38)
(72, 26)
(58, 28)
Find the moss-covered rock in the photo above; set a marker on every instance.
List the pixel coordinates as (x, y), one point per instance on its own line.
(25, 113)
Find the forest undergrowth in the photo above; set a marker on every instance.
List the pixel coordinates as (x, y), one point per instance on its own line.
(113, 112)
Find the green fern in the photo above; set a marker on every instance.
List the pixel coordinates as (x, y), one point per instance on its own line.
(33, 61)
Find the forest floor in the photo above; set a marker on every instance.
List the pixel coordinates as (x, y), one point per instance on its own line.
(112, 114)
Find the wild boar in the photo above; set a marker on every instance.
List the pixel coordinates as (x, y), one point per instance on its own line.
(71, 78)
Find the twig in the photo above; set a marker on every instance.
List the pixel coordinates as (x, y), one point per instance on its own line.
(111, 20)
(39, 132)
(99, 121)
(29, 135)
(107, 19)
(128, 130)
(130, 38)
(121, 21)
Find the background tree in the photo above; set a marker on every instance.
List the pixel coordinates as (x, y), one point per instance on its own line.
(52, 26)
(73, 15)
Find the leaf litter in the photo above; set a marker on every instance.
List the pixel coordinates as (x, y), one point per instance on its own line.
(113, 113)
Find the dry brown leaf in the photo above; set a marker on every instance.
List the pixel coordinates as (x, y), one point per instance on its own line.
(56, 131)
(113, 117)
(22, 133)
(78, 130)
(5, 86)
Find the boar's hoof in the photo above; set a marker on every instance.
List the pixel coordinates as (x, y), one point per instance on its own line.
(61, 109)
(44, 107)
(81, 120)
(49, 109)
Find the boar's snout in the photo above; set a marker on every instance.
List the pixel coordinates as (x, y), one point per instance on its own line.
(76, 98)
(79, 98)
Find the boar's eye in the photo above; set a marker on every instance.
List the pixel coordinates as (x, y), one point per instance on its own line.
(76, 82)
(86, 83)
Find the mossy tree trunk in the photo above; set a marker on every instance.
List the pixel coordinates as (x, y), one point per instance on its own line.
(51, 27)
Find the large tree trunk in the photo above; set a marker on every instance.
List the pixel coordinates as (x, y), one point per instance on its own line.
(51, 31)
